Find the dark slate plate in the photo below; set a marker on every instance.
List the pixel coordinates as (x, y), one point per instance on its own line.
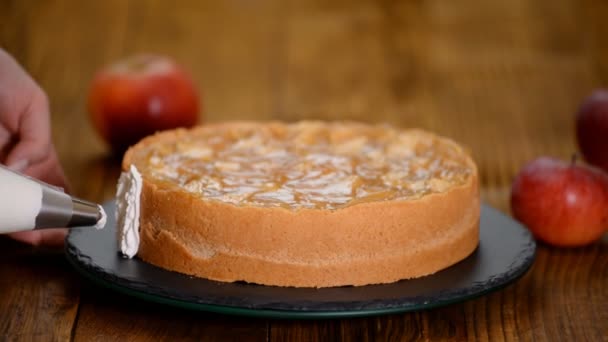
(506, 251)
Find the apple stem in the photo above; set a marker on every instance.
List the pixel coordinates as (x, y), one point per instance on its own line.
(574, 159)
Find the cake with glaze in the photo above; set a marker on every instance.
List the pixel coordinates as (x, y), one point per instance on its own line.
(307, 204)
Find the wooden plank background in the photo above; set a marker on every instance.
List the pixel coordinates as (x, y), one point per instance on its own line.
(502, 77)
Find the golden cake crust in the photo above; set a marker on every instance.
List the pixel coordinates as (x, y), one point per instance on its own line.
(364, 243)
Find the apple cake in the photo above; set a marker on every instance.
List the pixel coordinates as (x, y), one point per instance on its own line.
(307, 204)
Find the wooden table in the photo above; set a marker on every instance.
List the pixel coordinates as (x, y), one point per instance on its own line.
(504, 78)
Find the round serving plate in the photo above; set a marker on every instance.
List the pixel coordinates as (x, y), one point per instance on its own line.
(506, 251)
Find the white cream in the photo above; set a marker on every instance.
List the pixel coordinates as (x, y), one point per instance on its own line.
(102, 221)
(20, 202)
(128, 198)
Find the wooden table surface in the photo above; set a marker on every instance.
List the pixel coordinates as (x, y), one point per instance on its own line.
(502, 77)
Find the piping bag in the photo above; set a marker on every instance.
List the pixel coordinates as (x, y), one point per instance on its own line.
(28, 204)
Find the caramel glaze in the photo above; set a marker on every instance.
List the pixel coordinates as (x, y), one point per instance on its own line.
(308, 164)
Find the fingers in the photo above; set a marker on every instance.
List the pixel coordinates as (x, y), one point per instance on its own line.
(24, 115)
(49, 171)
(46, 237)
(6, 143)
(25, 137)
(34, 136)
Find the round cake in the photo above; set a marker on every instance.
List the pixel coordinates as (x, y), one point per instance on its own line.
(307, 204)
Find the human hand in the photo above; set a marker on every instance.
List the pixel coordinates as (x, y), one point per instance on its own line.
(25, 138)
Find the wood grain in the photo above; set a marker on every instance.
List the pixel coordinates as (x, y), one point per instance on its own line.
(39, 294)
(504, 78)
(107, 316)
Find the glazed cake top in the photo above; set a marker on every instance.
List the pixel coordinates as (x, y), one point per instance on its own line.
(305, 165)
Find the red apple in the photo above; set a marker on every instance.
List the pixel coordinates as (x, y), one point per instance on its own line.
(563, 204)
(592, 129)
(141, 95)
